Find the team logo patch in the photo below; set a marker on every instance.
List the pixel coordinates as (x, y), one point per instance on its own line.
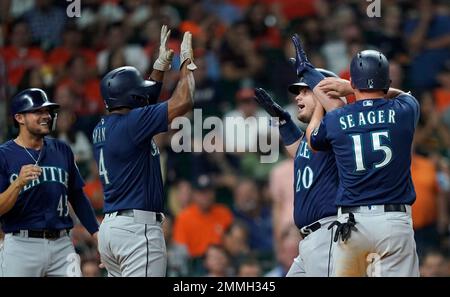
(316, 131)
(370, 83)
(367, 103)
(155, 149)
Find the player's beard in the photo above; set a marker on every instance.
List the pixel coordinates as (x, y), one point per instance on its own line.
(38, 130)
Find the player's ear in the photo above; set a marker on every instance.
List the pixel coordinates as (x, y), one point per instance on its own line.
(20, 118)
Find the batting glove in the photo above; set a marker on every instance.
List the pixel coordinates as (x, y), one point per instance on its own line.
(344, 229)
(164, 61)
(186, 51)
(300, 62)
(268, 104)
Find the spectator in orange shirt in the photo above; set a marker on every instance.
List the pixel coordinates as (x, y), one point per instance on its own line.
(20, 56)
(203, 222)
(429, 210)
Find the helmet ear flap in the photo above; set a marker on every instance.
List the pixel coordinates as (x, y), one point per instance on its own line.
(54, 120)
(352, 83)
(387, 89)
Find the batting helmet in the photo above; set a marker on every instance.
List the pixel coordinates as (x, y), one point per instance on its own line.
(30, 100)
(295, 87)
(369, 70)
(125, 87)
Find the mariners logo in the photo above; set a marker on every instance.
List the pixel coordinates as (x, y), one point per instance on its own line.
(155, 149)
(367, 103)
(316, 131)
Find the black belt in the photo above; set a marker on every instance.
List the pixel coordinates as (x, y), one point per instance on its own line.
(305, 231)
(130, 213)
(46, 234)
(387, 208)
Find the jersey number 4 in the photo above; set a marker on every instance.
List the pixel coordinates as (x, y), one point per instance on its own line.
(102, 169)
(376, 146)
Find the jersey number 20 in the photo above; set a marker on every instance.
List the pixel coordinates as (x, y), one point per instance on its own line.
(376, 146)
(305, 178)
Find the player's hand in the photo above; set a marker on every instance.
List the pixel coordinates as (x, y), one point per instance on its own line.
(95, 235)
(335, 87)
(301, 60)
(28, 173)
(268, 104)
(164, 61)
(186, 51)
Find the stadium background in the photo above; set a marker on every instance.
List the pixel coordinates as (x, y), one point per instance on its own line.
(238, 44)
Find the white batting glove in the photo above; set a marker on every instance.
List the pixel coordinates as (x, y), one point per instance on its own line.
(164, 61)
(186, 51)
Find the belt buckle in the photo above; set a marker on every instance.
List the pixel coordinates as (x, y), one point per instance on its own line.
(305, 231)
(51, 234)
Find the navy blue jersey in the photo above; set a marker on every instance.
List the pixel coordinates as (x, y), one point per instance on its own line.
(43, 202)
(371, 140)
(315, 186)
(128, 158)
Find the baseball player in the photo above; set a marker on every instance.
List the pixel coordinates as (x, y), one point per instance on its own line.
(371, 140)
(131, 241)
(315, 186)
(38, 179)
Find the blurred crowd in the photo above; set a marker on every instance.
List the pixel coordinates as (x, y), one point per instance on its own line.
(227, 214)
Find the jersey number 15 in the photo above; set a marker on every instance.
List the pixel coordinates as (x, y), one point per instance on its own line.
(376, 146)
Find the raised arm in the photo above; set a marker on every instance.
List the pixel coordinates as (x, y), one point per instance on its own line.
(181, 101)
(165, 56)
(314, 124)
(312, 77)
(290, 133)
(338, 87)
